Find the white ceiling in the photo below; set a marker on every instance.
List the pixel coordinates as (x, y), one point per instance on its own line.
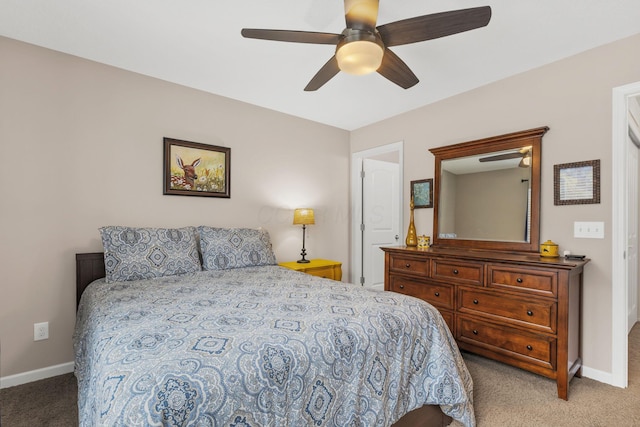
(197, 43)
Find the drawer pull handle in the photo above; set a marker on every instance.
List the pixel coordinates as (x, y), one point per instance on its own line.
(529, 348)
(455, 271)
(407, 265)
(401, 286)
(519, 280)
(475, 332)
(437, 294)
(529, 313)
(475, 301)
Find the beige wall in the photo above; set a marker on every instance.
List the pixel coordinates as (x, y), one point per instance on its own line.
(81, 146)
(574, 98)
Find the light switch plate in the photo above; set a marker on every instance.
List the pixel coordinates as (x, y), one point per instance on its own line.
(588, 230)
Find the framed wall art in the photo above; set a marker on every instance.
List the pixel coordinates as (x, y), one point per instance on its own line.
(422, 192)
(195, 169)
(576, 183)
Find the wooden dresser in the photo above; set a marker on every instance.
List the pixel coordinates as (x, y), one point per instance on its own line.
(517, 308)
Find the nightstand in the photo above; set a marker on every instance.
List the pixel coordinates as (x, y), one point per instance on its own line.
(317, 267)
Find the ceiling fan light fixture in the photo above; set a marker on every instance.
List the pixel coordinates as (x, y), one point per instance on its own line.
(359, 57)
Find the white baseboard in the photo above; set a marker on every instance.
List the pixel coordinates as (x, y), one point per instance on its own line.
(600, 376)
(38, 374)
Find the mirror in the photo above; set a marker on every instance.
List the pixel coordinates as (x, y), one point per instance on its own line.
(487, 193)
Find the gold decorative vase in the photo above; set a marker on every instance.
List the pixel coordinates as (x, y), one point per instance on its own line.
(412, 236)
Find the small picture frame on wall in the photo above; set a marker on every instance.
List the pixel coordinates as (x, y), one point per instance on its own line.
(422, 193)
(576, 183)
(195, 169)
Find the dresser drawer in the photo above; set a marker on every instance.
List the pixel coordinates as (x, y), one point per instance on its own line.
(439, 295)
(467, 272)
(416, 266)
(448, 318)
(537, 282)
(507, 342)
(538, 314)
(326, 272)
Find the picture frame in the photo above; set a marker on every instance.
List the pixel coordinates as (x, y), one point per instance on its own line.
(576, 183)
(422, 193)
(196, 169)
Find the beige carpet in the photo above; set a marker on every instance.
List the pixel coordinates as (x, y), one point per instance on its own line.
(504, 396)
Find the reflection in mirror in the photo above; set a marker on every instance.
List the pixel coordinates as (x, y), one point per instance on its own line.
(486, 194)
(469, 211)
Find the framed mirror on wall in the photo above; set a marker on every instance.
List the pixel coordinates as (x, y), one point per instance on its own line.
(487, 193)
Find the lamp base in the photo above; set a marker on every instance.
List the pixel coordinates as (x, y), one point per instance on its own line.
(303, 252)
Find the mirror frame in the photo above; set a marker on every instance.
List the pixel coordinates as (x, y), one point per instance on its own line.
(509, 141)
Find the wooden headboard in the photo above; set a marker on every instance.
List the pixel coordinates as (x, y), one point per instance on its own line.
(89, 267)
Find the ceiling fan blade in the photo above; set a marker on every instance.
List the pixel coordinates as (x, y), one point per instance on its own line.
(291, 36)
(394, 69)
(505, 156)
(361, 14)
(433, 26)
(325, 74)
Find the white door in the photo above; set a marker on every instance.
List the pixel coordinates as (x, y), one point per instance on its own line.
(632, 233)
(380, 217)
(622, 97)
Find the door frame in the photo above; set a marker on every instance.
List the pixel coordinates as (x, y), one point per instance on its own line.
(356, 199)
(619, 272)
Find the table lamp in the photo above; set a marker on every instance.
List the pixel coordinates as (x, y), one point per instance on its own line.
(305, 217)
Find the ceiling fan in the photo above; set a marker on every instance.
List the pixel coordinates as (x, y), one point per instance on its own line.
(524, 154)
(363, 48)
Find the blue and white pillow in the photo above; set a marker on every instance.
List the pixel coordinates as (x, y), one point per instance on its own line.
(145, 253)
(226, 248)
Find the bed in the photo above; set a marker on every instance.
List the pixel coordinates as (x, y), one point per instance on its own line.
(258, 345)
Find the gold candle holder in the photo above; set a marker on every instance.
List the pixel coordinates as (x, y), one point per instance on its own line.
(424, 242)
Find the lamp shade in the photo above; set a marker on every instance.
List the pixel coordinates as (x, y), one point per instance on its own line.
(303, 216)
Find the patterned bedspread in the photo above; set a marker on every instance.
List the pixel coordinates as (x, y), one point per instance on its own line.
(261, 346)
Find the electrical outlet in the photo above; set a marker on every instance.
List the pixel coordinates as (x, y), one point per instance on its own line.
(588, 230)
(41, 331)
